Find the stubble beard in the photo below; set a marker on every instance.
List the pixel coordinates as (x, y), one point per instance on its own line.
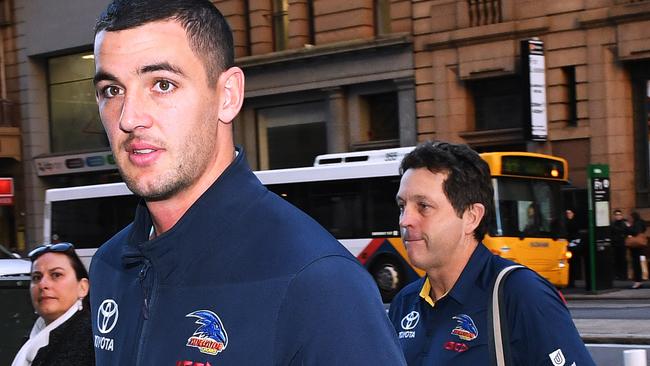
(192, 161)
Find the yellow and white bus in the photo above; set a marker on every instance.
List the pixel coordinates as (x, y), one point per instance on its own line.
(529, 224)
(353, 196)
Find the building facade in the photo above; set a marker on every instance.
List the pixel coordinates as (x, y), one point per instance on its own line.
(344, 75)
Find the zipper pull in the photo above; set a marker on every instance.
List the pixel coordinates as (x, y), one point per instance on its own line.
(142, 275)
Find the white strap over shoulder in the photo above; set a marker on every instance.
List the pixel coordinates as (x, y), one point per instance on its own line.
(496, 316)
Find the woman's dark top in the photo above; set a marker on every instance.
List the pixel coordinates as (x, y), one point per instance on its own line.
(71, 343)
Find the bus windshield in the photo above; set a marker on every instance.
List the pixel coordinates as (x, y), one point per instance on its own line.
(526, 208)
(88, 223)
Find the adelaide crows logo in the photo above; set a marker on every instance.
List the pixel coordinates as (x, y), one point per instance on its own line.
(210, 337)
(465, 329)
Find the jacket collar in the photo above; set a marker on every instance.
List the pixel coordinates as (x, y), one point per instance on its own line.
(470, 281)
(220, 206)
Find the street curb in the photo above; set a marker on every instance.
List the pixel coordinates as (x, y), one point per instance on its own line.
(603, 297)
(615, 339)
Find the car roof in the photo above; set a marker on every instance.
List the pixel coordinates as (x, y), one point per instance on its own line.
(9, 267)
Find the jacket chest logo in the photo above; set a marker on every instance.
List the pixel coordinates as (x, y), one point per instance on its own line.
(408, 323)
(210, 337)
(465, 329)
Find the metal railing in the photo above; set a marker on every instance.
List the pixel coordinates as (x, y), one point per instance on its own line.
(482, 12)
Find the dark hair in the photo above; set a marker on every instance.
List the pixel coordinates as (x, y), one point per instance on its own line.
(636, 217)
(208, 33)
(75, 262)
(468, 176)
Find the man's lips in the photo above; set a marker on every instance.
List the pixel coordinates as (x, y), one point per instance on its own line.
(408, 235)
(411, 239)
(143, 154)
(141, 148)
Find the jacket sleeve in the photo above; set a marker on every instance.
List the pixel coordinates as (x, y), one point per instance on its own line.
(541, 329)
(333, 315)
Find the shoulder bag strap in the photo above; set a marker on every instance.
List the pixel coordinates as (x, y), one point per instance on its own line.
(499, 342)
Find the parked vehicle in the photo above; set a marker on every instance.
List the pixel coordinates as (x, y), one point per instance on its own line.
(16, 311)
(12, 264)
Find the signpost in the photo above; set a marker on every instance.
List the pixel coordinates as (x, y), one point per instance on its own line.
(599, 258)
(534, 75)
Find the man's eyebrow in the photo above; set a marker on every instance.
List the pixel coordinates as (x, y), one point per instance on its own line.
(103, 76)
(163, 66)
(417, 197)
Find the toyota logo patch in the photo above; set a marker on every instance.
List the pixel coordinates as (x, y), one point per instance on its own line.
(410, 320)
(107, 316)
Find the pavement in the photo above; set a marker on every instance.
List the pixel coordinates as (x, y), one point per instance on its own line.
(618, 331)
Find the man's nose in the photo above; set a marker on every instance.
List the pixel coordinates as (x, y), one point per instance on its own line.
(135, 112)
(405, 217)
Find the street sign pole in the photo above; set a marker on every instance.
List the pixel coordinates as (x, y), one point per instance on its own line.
(598, 196)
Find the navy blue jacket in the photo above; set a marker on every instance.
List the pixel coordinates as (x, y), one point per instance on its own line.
(454, 331)
(243, 278)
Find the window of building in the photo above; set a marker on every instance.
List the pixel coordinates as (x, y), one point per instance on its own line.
(382, 17)
(291, 136)
(571, 95)
(379, 118)
(280, 24)
(641, 94)
(312, 22)
(497, 103)
(74, 117)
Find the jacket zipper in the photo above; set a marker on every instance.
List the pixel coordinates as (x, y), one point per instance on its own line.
(145, 290)
(148, 285)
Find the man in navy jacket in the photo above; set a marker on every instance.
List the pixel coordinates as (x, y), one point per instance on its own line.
(445, 198)
(215, 269)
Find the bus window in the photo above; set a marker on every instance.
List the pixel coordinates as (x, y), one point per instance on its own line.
(89, 222)
(348, 209)
(382, 211)
(526, 208)
(337, 205)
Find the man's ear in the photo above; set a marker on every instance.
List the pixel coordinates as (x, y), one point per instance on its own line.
(231, 87)
(472, 217)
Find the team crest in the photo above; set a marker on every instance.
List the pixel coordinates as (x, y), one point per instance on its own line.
(465, 329)
(210, 337)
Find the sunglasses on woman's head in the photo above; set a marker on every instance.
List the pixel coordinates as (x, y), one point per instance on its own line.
(57, 248)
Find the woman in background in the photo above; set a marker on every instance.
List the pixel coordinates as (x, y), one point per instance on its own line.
(62, 334)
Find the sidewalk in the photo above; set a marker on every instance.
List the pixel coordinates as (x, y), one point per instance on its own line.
(620, 331)
(620, 291)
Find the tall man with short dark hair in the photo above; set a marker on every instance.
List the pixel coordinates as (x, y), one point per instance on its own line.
(215, 269)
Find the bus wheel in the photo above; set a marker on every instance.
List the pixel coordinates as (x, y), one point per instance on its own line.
(389, 277)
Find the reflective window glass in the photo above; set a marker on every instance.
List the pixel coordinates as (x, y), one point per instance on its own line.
(74, 117)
